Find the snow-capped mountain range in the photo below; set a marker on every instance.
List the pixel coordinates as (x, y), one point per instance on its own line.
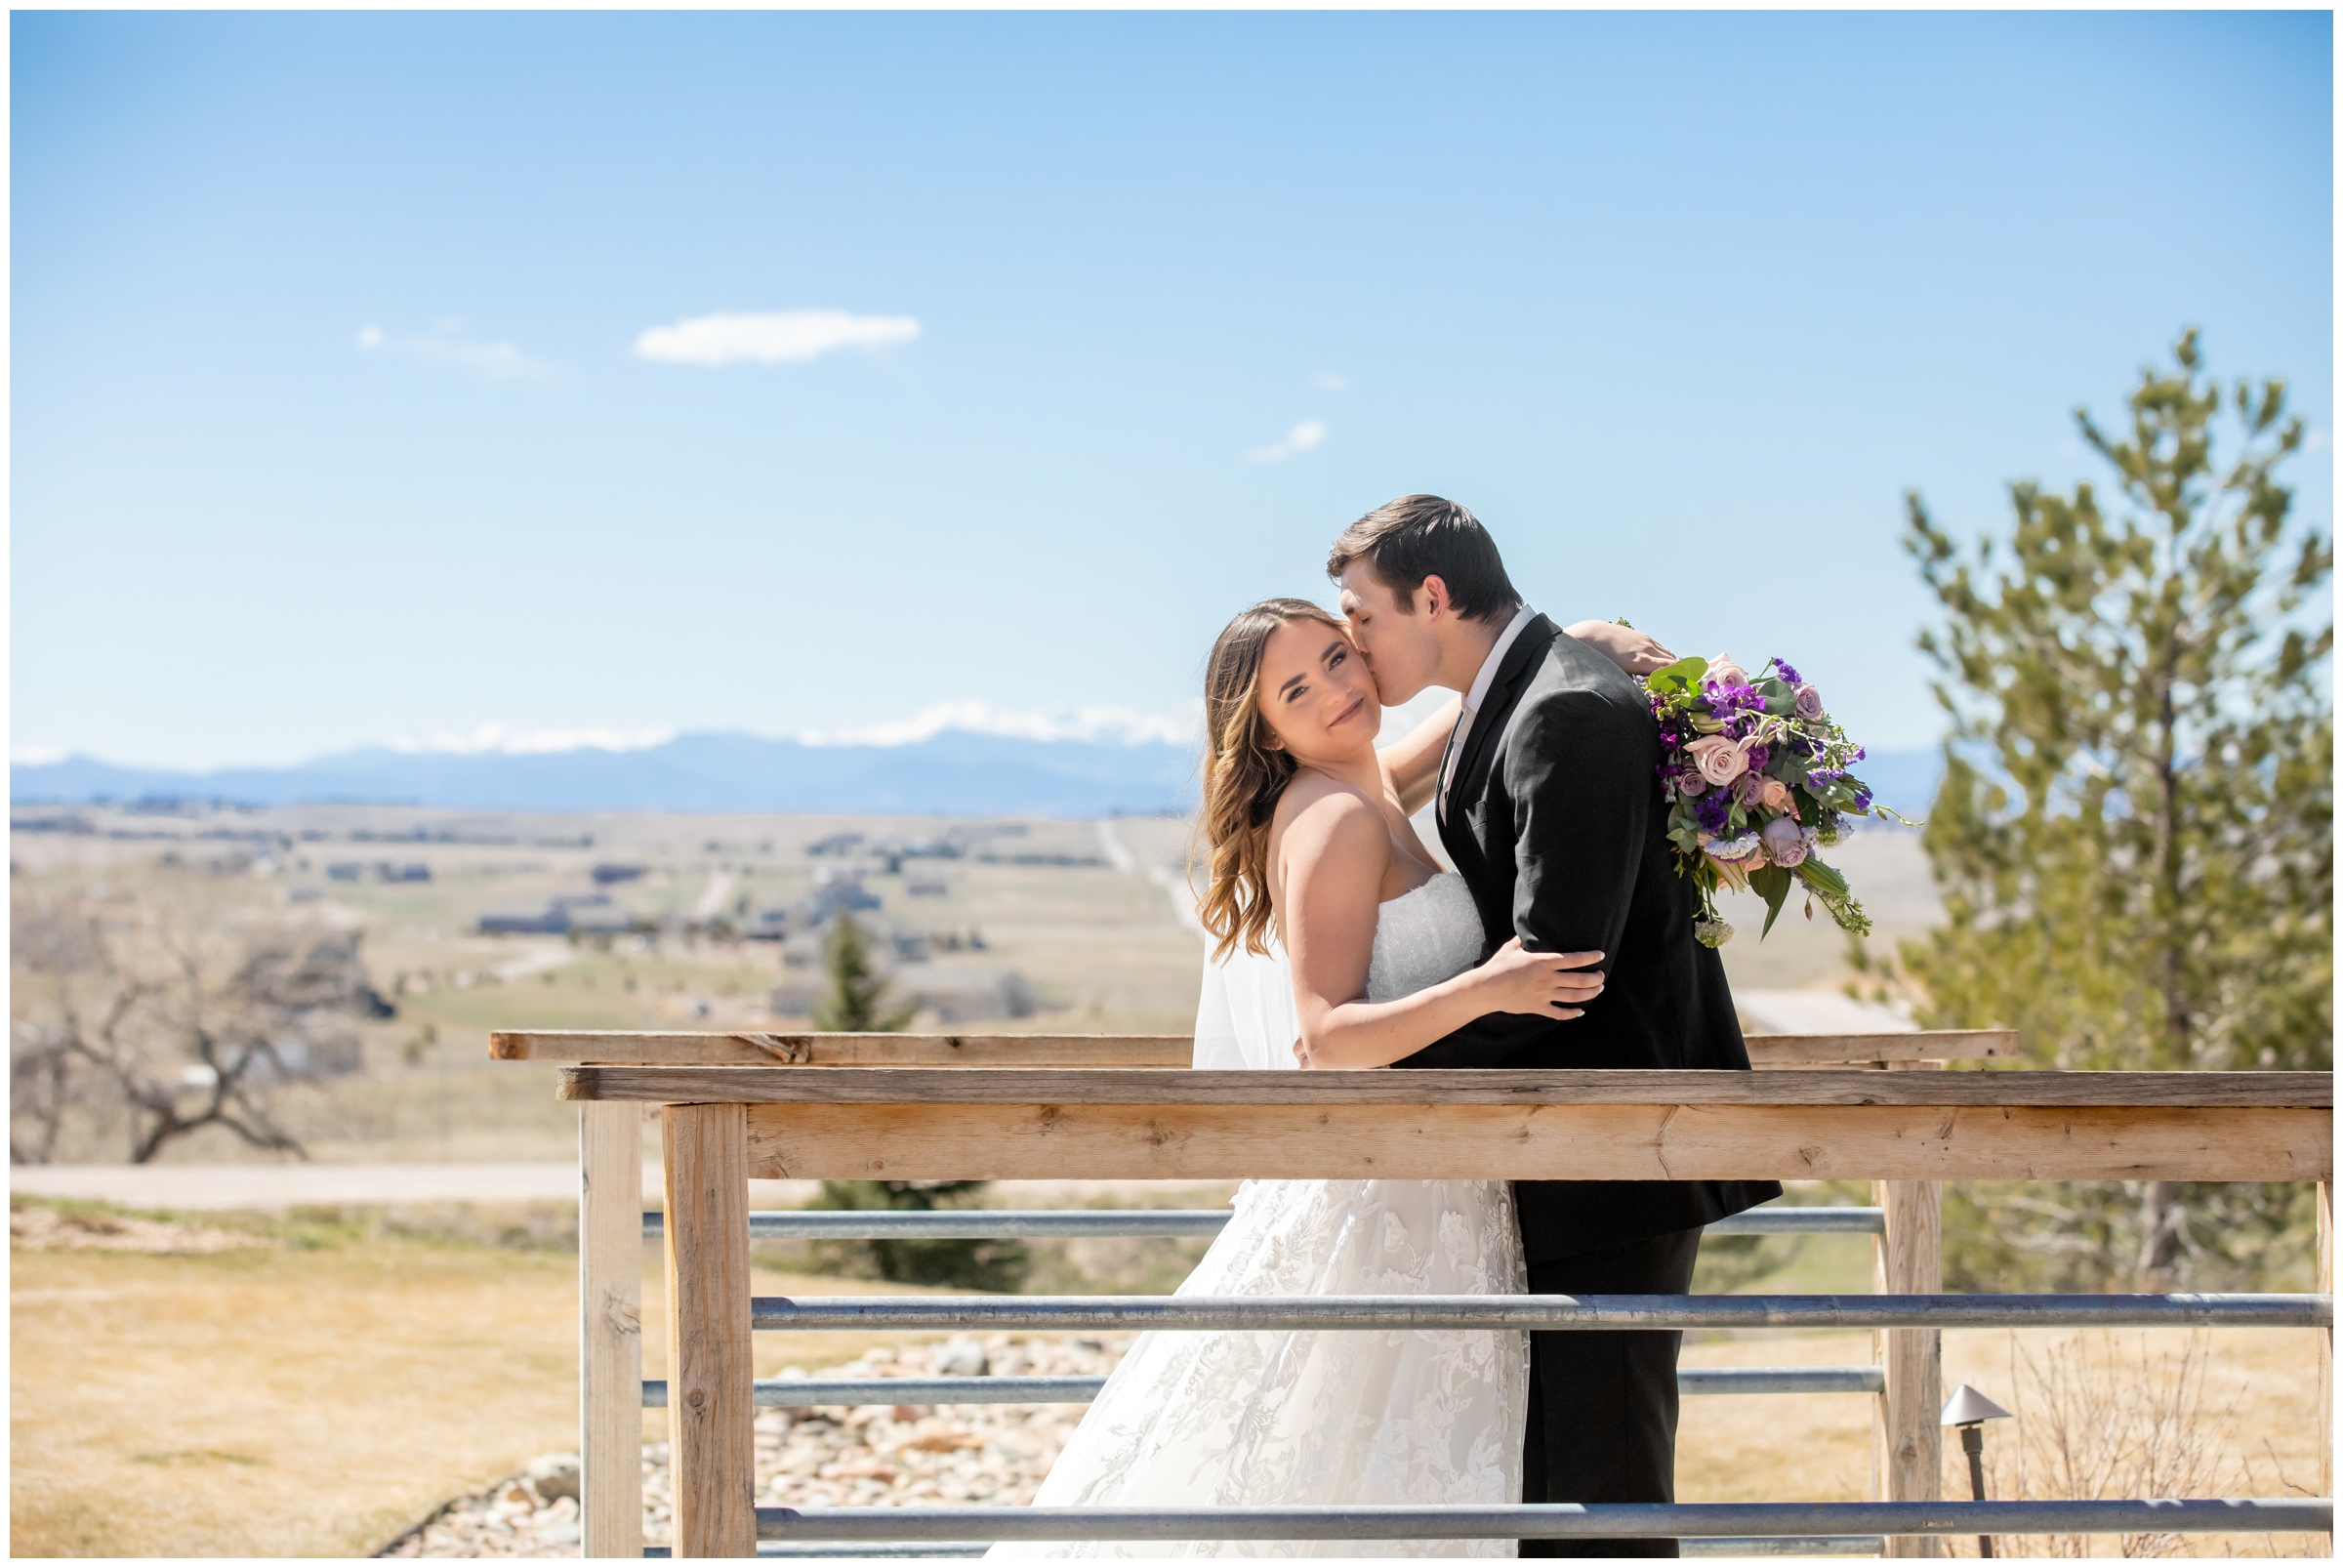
(956, 759)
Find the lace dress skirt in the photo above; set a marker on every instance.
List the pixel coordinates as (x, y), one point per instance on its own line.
(1330, 1418)
(1327, 1417)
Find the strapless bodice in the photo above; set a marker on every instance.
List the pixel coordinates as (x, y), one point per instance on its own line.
(1423, 936)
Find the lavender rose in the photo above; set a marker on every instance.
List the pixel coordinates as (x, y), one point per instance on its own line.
(1785, 841)
(1810, 701)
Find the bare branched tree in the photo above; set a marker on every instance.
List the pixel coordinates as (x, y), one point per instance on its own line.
(175, 1026)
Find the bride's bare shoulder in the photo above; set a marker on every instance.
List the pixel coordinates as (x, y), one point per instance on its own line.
(1318, 814)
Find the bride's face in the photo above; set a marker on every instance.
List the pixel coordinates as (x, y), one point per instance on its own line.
(1317, 695)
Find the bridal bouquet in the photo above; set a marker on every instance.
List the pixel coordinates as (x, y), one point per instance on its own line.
(1755, 776)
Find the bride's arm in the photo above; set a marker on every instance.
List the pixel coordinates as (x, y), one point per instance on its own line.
(1412, 762)
(1335, 853)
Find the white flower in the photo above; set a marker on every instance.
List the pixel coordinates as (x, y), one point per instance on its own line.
(1711, 932)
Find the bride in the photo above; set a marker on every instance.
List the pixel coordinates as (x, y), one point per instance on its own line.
(1341, 944)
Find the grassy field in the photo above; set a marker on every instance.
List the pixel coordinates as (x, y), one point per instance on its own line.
(305, 1398)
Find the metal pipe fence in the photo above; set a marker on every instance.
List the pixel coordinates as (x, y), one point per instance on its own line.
(817, 1393)
(1713, 1546)
(986, 1225)
(1699, 1546)
(1554, 1521)
(1068, 1313)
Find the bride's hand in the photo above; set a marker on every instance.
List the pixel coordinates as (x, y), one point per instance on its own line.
(1552, 985)
(1636, 652)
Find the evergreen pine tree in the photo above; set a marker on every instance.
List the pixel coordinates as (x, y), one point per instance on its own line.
(858, 999)
(857, 1003)
(2134, 837)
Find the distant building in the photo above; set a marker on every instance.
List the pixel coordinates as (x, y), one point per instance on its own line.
(836, 844)
(609, 872)
(927, 883)
(551, 923)
(412, 871)
(966, 995)
(346, 870)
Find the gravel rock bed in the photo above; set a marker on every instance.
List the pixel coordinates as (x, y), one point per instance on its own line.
(866, 1455)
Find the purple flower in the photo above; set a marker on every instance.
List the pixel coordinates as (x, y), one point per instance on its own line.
(1712, 811)
(1724, 701)
(1788, 674)
(1809, 703)
(1759, 755)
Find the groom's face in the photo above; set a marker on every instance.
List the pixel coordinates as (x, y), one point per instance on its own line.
(1399, 645)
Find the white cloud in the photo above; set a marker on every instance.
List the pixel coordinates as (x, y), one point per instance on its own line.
(1303, 437)
(447, 345)
(36, 756)
(772, 338)
(1329, 381)
(498, 740)
(1113, 726)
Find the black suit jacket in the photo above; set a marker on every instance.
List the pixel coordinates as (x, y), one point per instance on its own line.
(1556, 819)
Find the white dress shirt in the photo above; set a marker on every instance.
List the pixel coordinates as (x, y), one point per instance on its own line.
(1473, 699)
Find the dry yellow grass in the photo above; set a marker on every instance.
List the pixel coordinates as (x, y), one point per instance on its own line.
(275, 1403)
(1780, 1447)
(294, 1403)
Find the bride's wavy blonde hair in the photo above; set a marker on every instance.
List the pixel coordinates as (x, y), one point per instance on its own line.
(1243, 776)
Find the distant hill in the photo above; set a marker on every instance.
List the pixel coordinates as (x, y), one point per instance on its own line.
(951, 773)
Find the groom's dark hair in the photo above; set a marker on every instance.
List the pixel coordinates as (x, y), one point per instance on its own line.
(1420, 536)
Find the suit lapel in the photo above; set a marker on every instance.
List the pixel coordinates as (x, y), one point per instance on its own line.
(1495, 707)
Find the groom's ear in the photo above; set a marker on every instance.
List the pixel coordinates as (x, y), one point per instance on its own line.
(1435, 598)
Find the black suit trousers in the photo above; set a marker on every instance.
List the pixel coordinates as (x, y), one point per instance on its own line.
(1603, 1404)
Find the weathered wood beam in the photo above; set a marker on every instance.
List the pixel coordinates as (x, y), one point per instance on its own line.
(1932, 1044)
(610, 1327)
(752, 1048)
(711, 1379)
(1552, 1142)
(1908, 1259)
(757, 1049)
(1107, 1086)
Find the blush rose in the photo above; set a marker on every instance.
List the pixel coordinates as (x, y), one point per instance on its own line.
(1720, 761)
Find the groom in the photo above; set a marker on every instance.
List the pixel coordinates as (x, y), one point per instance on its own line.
(1548, 803)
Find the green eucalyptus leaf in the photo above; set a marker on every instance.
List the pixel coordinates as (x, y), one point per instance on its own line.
(1682, 676)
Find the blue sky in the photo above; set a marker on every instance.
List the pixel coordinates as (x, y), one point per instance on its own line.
(330, 424)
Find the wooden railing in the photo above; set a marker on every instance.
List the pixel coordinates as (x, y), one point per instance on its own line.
(907, 1107)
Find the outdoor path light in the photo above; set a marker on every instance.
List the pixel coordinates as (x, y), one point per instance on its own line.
(1969, 1411)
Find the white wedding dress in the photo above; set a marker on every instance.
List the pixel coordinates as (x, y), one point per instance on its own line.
(1335, 1417)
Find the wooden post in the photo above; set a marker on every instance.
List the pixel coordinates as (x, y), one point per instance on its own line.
(710, 1415)
(610, 1328)
(1908, 1259)
(2326, 1349)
